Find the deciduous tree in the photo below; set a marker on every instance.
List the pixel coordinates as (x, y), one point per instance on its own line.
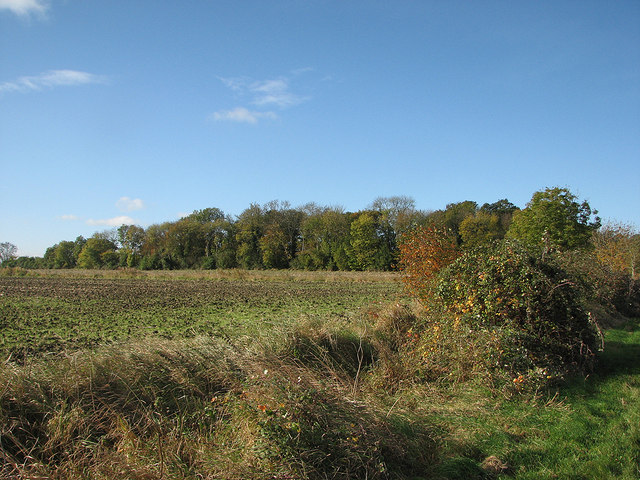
(480, 229)
(97, 252)
(64, 256)
(8, 251)
(365, 241)
(273, 247)
(325, 239)
(554, 219)
(185, 242)
(250, 227)
(452, 216)
(618, 247)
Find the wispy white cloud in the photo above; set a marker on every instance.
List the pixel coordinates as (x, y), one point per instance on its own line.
(126, 204)
(242, 115)
(51, 79)
(300, 71)
(69, 217)
(262, 94)
(112, 222)
(25, 8)
(237, 84)
(274, 92)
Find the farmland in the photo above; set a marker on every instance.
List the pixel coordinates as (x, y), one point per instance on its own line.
(63, 312)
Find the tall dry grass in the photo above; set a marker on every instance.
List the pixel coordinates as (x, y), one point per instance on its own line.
(218, 274)
(292, 406)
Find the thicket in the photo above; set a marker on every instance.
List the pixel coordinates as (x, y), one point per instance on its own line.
(522, 312)
(527, 310)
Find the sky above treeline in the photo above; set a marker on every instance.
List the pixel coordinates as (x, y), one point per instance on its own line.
(140, 112)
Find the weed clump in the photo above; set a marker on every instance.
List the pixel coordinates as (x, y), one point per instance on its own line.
(396, 333)
(334, 348)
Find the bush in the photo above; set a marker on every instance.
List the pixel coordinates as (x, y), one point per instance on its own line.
(395, 336)
(209, 263)
(13, 272)
(312, 260)
(225, 259)
(151, 262)
(529, 311)
(423, 253)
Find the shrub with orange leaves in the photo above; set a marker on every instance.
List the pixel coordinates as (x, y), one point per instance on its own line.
(423, 252)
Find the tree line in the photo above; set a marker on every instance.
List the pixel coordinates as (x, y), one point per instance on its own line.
(313, 237)
(273, 235)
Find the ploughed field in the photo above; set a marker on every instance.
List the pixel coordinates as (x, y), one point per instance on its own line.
(62, 313)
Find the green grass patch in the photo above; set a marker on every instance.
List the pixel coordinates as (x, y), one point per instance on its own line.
(592, 429)
(588, 428)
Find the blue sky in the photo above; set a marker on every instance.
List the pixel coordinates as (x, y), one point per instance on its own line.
(141, 111)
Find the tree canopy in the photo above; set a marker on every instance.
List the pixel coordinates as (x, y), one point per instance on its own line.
(554, 219)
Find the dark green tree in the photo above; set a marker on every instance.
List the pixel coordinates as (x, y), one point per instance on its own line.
(501, 207)
(78, 246)
(48, 258)
(64, 255)
(186, 243)
(250, 228)
(26, 262)
(324, 242)
(504, 209)
(396, 216)
(314, 253)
